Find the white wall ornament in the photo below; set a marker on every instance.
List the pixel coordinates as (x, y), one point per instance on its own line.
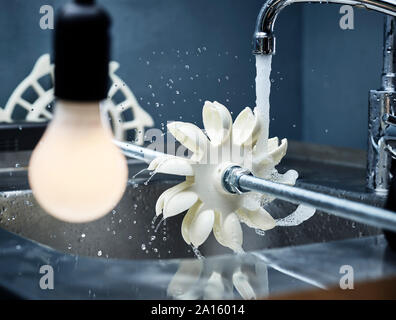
(40, 110)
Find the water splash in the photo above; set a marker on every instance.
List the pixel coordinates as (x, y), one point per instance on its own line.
(301, 214)
(260, 232)
(152, 174)
(154, 219)
(197, 253)
(140, 172)
(159, 224)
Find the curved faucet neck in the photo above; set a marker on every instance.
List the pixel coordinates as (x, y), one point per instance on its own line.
(264, 40)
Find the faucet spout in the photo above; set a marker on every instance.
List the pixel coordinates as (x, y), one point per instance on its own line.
(263, 38)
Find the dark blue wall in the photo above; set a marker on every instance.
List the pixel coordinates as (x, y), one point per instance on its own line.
(321, 74)
(339, 68)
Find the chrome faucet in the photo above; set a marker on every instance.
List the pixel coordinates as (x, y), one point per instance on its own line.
(382, 102)
(264, 40)
(382, 121)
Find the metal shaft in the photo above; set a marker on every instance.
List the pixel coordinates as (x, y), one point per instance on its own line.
(347, 209)
(236, 179)
(140, 153)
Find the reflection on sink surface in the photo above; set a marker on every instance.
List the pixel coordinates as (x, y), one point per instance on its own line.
(129, 232)
(224, 277)
(260, 274)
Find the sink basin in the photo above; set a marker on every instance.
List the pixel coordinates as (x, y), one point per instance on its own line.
(137, 257)
(129, 232)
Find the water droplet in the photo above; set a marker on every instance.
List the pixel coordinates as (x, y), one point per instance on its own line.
(197, 253)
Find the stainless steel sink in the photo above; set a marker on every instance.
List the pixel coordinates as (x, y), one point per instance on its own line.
(128, 232)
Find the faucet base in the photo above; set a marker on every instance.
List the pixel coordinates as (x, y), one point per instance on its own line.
(381, 104)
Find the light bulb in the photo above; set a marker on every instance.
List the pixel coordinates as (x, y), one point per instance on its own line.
(76, 172)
